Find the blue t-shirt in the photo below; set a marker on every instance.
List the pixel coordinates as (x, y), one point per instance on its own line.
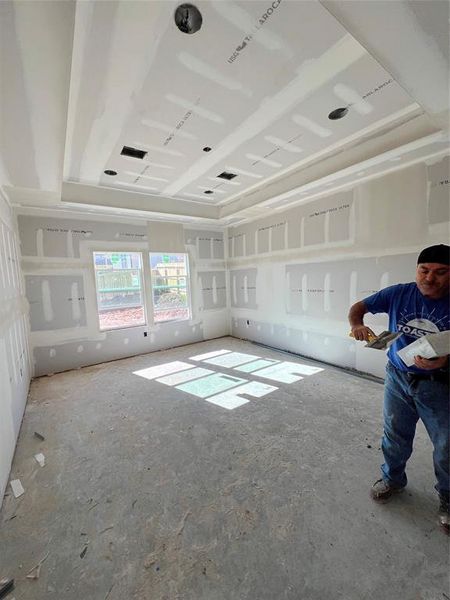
(411, 313)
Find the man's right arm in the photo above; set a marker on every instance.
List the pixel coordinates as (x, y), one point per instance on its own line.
(356, 319)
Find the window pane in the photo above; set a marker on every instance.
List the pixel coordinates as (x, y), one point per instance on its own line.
(169, 285)
(119, 289)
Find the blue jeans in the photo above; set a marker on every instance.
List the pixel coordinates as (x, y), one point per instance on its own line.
(406, 400)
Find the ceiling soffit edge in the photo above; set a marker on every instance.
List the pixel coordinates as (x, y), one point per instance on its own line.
(410, 132)
(99, 196)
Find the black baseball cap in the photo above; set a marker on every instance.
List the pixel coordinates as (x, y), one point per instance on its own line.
(435, 254)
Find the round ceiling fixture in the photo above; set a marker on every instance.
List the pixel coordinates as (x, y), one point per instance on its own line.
(188, 18)
(338, 113)
(109, 172)
(206, 149)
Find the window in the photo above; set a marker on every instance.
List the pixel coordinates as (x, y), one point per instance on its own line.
(120, 299)
(169, 285)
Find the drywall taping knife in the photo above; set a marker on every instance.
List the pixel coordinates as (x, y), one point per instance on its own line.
(382, 341)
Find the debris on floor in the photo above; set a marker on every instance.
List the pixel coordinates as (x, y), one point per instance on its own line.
(83, 552)
(106, 529)
(40, 459)
(6, 586)
(17, 487)
(39, 436)
(36, 570)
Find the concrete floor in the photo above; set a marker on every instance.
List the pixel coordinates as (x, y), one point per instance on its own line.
(150, 493)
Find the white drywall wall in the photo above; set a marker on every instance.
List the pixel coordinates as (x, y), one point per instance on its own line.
(57, 259)
(293, 275)
(15, 367)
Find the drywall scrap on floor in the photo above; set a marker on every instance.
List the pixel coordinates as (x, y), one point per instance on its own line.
(295, 274)
(57, 260)
(15, 360)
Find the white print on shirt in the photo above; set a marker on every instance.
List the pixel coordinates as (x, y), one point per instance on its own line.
(417, 327)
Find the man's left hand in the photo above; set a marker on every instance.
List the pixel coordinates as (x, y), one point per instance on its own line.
(435, 363)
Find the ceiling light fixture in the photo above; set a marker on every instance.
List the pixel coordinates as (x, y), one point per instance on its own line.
(109, 172)
(208, 192)
(206, 149)
(188, 18)
(338, 113)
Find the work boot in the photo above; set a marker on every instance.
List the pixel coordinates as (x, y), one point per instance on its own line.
(444, 514)
(382, 491)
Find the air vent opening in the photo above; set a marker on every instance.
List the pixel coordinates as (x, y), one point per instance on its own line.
(227, 175)
(133, 152)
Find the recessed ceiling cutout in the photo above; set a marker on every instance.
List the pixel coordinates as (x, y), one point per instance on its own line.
(133, 152)
(110, 172)
(188, 18)
(206, 149)
(227, 175)
(338, 113)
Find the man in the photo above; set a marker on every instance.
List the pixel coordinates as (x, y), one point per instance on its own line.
(420, 391)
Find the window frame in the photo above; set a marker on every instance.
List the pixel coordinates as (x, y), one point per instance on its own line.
(186, 276)
(143, 286)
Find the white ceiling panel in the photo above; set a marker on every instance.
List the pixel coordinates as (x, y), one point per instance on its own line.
(227, 118)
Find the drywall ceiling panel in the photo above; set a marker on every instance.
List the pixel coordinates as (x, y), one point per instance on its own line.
(138, 81)
(35, 58)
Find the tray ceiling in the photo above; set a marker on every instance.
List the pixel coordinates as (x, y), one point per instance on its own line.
(238, 107)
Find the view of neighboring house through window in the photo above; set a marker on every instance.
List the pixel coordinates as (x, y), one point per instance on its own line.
(170, 278)
(120, 298)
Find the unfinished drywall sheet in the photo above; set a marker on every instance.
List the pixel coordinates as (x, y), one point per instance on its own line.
(438, 181)
(328, 289)
(237, 245)
(243, 288)
(15, 358)
(48, 237)
(113, 345)
(271, 237)
(56, 301)
(341, 248)
(321, 346)
(324, 222)
(392, 212)
(320, 295)
(209, 244)
(57, 256)
(214, 289)
(327, 220)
